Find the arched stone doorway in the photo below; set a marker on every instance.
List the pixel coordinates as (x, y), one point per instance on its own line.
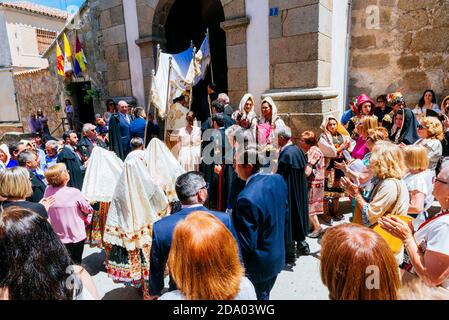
(188, 21)
(174, 23)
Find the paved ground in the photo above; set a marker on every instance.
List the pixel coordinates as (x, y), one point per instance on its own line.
(303, 282)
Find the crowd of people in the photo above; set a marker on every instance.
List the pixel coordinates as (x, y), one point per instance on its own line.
(234, 205)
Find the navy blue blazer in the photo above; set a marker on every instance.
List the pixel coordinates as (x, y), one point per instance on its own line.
(162, 240)
(124, 129)
(137, 128)
(259, 219)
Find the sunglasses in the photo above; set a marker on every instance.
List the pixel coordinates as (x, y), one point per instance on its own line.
(420, 127)
(439, 180)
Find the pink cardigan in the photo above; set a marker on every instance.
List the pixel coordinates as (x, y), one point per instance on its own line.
(70, 213)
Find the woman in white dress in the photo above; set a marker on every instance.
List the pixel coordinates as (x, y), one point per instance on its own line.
(189, 140)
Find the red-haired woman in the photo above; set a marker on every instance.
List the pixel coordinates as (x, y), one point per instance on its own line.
(350, 254)
(204, 262)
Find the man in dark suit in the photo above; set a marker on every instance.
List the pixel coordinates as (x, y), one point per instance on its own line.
(259, 218)
(218, 108)
(89, 141)
(223, 98)
(72, 159)
(125, 124)
(291, 166)
(28, 160)
(191, 190)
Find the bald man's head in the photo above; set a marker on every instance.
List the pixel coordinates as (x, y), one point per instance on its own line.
(122, 107)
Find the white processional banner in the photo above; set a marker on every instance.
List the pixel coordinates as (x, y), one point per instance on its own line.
(177, 75)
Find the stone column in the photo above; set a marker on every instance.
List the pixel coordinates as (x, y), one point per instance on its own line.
(300, 62)
(236, 54)
(135, 63)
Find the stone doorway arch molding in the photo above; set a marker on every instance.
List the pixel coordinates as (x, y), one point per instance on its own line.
(152, 15)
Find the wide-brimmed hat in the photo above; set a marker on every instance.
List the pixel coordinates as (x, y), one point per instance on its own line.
(363, 98)
(395, 98)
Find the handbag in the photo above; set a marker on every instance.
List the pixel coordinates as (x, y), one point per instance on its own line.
(394, 243)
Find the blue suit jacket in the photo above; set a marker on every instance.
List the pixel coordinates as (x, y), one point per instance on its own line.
(124, 130)
(259, 219)
(137, 128)
(162, 240)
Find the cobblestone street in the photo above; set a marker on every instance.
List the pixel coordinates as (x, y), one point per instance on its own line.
(303, 282)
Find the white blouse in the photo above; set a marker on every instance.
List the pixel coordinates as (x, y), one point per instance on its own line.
(247, 292)
(435, 237)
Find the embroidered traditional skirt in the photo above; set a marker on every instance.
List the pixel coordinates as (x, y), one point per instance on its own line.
(95, 230)
(316, 198)
(129, 267)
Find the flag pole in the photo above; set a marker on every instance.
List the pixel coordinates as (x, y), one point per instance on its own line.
(191, 85)
(210, 54)
(76, 76)
(168, 96)
(150, 100)
(154, 71)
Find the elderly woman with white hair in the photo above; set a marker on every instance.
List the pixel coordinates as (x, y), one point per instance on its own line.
(428, 247)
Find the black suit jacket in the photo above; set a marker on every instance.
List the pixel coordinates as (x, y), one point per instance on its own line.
(38, 186)
(74, 166)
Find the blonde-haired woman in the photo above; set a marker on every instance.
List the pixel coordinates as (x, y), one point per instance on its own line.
(333, 141)
(15, 187)
(367, 123)
(204, 262)
(365, 175)
(419, 181)
(390, 194)
(430, 132)
(71, 212)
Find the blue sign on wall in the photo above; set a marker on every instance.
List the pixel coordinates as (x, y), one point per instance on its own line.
(274, 12)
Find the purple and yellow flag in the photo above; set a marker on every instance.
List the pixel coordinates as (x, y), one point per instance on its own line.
(80, 60)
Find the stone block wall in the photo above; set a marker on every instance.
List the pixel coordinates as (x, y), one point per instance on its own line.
(36, 89)
(301, 44)
(103, 37)
(407, 49)
(300, 62)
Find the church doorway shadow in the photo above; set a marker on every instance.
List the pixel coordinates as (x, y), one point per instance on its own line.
(187, 22)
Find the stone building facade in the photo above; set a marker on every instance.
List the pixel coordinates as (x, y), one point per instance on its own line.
(298, 54)
(26, 30)
(400, 44)
(30, 97)
(101, 30)
(290, 60)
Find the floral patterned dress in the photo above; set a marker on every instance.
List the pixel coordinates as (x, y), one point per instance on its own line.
(315, 183)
